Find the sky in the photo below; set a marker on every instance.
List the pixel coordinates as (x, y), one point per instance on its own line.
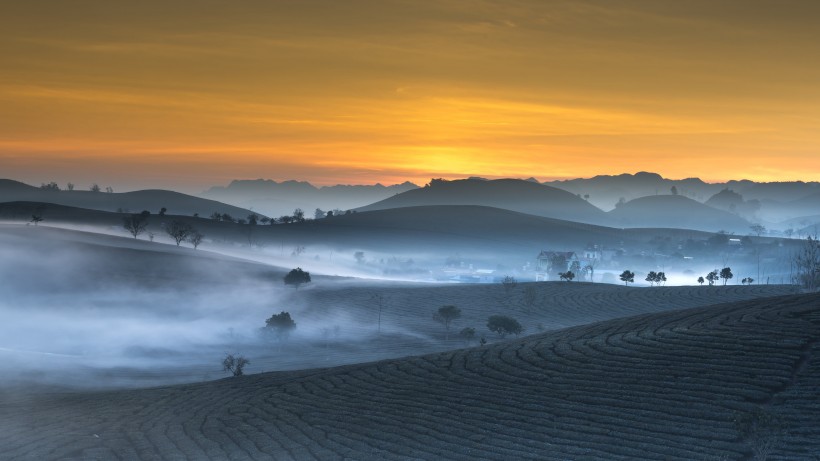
(185, 95)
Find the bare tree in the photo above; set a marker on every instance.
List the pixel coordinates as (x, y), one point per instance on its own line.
(235, 365)
(135, 224)
(195, 238)
(35, 218)
(179, 231)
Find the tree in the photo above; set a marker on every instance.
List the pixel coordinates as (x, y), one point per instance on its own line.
(162, 211)
(94, 188)
(195, 238)
(468, 333)
(674, 190)
(661, 277)
(504, 325)
(700, 280)
(359, 255)
(380, 301)
(253, 218)
(758, 229)
(712, 277)
(70, 186)
(298, 215)
(651, 277)
(135, 224)
(297, 277)
(509, 283)
(35, 218)
(568, 276)
(216, 216)
(627, 277)
(726, 274)
(445, 315)
(52, 186)
(280, 324)
(109, 190)
(235, 365)
(179, 230)
(807, 263)
(318, 214)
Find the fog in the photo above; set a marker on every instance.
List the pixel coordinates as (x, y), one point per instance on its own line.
(80, 315)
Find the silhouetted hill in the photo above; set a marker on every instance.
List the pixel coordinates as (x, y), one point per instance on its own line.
(716, 382)
(677, 212)
(280, 198)
(605, 191)
(509, 194)
(133, 202)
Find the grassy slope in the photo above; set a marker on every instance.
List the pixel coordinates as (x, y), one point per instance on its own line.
(661, 386)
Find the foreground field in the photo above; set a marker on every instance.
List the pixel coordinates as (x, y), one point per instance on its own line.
(732, 381)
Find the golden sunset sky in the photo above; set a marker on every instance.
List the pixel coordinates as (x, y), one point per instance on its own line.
(187, 94)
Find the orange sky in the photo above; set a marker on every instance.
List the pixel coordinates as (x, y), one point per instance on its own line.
(189, 94)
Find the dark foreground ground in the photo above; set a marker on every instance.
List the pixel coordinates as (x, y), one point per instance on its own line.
(736, 381)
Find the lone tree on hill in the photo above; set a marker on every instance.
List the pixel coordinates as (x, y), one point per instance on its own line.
(568, 275)
(445, 315)
(179, 231)
(504, 325)
(468, 333)
(627, 277)
(509, 283)
(712, 277)
(235, 365)
(35, 218)
(195, 239)
(281, 324)
(726, 274)
(297, 277)
(700, 280)
(135, 224)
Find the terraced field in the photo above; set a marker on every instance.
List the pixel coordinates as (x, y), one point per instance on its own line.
(736, 381)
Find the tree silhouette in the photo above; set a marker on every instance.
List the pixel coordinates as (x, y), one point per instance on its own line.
(35, 218)
(178, 230)
(504, 325)
(700, 280)
(135, 224)
(726, 274)
(627, 277)
(235, 365)
(712, 277)
(807, 263)
(468, 333)
(509, 283)
(195, 238)
(651, 277)
(297, 277)
(281, 324)
(445, 315)
(568, 276)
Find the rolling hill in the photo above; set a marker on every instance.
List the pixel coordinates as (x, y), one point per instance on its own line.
(733, 381)
(508, 194)
(133, 202)
(676, 211)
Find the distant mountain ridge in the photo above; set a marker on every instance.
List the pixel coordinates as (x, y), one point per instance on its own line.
(675, 211)
(279, 198)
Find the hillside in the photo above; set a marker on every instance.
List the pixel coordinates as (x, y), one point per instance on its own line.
(133, 202)
(508, 194)
(280, 198)
(732, 382)
(676, 211)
